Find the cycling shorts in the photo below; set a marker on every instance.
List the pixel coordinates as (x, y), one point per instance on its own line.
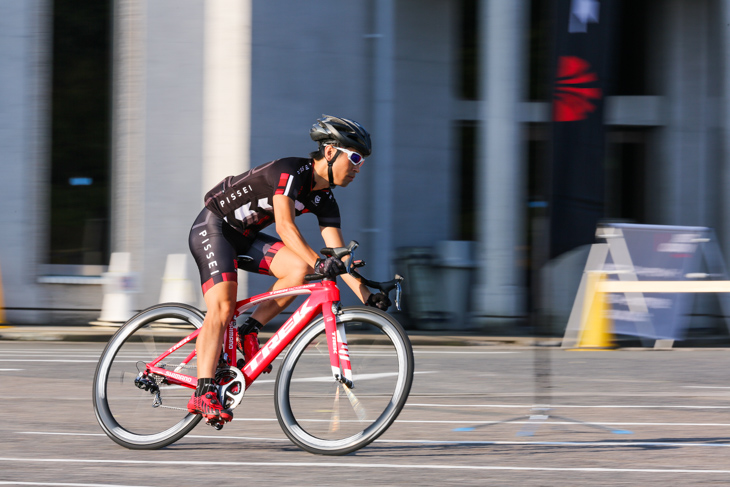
(215, 245)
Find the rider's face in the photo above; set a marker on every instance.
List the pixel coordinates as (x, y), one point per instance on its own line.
(343, 171)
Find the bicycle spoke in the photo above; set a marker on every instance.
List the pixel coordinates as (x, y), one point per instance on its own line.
(155, 414)
(356, 404)
(335, 419)
(319, 419)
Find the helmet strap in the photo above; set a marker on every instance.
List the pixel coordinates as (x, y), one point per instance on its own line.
(329, 167)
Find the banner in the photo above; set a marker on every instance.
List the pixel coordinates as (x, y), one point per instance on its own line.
(581, 66)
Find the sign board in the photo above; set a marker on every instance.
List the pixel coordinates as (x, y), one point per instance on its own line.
(650, 275)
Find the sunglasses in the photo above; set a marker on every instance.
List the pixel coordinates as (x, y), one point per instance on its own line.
(354, 157)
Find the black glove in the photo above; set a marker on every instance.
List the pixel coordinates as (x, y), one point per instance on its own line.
(379, 300)
(330, 267)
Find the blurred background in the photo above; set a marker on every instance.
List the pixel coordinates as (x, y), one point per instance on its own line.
(503, 132)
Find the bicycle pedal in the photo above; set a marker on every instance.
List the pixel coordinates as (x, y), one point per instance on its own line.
(217, 424)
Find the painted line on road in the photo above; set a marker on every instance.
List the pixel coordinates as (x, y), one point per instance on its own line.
(558, 406)
(454, 422)
(459, 352)
(65, 484)
(50, 360)
(346, 464)
(705, 387)
(10, 370)
(55, 355)
(619, 444)
(557, 422)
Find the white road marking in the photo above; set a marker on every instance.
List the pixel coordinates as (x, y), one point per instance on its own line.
(475, 423)
(49, 360)
(10, 370)
(65, 484)
(350, 465)
(558, 406)
(460, 352)
(329, 378)
(615, 443)
(559, 422)
(705, 387)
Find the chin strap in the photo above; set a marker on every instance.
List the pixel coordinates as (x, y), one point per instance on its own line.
(329, 168)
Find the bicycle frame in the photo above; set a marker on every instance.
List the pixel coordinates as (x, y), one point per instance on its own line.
(324, 298)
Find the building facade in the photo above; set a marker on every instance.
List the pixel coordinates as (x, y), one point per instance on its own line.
(455, 93)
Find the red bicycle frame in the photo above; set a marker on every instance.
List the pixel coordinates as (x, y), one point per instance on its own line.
(324, 297)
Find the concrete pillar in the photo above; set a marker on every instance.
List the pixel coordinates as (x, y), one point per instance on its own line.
(384, 84)
(25, 55)
(499, 297)
(685, 179)
(227, 95)
(724, 230)
(128, 129)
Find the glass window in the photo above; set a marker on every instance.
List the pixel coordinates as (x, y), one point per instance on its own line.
(466, 136)
(80, 133)
(468, 50)
(626, 163)
(540, 49)
(631, 59)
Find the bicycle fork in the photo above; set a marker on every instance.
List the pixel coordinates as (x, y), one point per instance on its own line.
(337, 345)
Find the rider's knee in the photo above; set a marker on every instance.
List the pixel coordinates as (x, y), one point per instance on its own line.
(298, 270)
(221, 312)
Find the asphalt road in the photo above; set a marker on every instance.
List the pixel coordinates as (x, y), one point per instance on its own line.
(675, 403)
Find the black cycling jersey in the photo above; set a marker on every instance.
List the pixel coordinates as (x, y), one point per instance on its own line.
(246, 201)
(239, 207)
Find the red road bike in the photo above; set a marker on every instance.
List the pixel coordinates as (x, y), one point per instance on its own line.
(344, 379)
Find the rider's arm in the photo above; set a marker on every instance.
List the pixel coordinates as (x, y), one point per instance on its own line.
(289, 232)
(332, 237)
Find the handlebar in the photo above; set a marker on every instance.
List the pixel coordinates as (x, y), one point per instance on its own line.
(340, 252)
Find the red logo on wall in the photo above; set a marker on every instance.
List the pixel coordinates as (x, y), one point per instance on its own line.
(573, 99)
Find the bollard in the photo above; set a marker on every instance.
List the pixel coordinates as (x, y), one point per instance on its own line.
(596, 330)
(176, 287)
(119, 286)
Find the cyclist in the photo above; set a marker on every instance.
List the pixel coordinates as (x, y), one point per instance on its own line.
(238, 208)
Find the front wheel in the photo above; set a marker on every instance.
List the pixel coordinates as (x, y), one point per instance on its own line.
(130, 415)
(324, 416)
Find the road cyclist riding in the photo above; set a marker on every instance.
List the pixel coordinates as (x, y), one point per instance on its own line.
(347, 371)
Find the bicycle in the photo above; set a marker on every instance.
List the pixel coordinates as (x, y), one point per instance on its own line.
(143, 379)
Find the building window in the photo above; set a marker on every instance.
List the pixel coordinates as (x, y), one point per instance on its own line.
(80, 133)
(540, 49)
(468, 50)
(632, 42)
(626, 166)
(466, 136)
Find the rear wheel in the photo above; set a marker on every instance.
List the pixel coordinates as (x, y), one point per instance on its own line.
(132, 416)
(324, 416)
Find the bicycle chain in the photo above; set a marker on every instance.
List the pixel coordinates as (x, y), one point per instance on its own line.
(157, 401)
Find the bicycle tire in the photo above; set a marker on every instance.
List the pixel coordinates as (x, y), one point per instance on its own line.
(309, 401)
(125, 412)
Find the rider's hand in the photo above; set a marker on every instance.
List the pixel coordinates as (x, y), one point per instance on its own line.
(330, 267)
(379, 300)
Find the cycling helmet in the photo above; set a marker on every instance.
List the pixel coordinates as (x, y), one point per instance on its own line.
(343, 132)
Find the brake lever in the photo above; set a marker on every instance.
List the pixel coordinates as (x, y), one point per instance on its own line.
(351, 264)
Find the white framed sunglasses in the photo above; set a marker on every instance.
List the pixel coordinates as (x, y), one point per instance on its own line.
(354, 157)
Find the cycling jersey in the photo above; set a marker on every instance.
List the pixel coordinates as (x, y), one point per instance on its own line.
(246, 201)
(239, 207)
